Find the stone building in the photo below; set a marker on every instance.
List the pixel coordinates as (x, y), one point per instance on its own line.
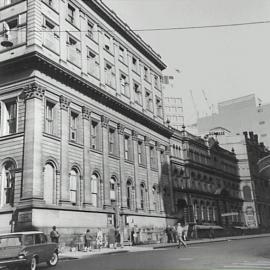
(205, 181)
(82, 135)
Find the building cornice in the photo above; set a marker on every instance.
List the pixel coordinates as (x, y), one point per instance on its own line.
(38, 61)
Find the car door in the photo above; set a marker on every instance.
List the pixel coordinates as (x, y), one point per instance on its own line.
(40, 248)
(29, 245)
(47, 249)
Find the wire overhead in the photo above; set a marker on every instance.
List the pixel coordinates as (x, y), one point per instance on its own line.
(163, 29)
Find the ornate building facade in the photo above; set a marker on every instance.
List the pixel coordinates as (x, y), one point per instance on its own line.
(205, 181)
(82, 135)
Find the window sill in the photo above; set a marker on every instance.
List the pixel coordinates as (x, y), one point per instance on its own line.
(51, 136)
(11, 136)
(108, 51)
(10, 5)
(154, 169)
(138, 103)
(114, 156)
(136, 72)
(92, 38)
(112, 87)
(74, 25)
(123, 62)
(52, 8)
(129, 161)
(143, 166)
(96, 151)
(123, 94)
(51, 50)
(69, 61)
(92, 75)
(75, 144)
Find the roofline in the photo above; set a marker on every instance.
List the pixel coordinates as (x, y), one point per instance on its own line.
(120, 26)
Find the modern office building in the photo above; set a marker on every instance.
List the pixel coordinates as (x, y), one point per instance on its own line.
(82, 133)
(173, 110)
(239, 115)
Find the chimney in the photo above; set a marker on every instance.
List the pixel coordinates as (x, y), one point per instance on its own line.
(256, 138)
(251, 135)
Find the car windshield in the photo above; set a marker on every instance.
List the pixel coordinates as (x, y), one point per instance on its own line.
(14, 241)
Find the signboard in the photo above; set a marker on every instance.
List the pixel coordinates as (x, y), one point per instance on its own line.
(25, 216)
(250, 217)
(229, 214)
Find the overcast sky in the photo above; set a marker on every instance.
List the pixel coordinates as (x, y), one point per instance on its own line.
(225, 62)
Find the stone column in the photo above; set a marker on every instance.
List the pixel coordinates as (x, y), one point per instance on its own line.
(32, 159)
(64, 186)
(120, 129)
(87, 200)
(168, 153)
(136, 198)
(106, 177)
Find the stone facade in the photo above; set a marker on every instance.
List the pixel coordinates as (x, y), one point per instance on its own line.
(205, 180)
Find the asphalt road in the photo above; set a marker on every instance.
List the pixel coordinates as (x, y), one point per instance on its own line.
(237, 254)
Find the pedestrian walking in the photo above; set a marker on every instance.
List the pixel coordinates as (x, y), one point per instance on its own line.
(180, 235)
(117, 237)
(99, 238)
(174, 232)
(87, 241)
(54, 235)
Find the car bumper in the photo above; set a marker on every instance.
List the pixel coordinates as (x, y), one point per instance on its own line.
(9, 262)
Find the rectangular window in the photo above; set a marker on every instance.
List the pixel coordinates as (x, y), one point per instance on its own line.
(137, 93)
(107, 43)
(90, 29)
(71, 14)
(146, 73)
(122, 54)
(159, 107)
(149, 100)
(74, 126)
(153, 162)
(50, 35)
(141, 158)
(109, 75)
(162, 157)
(156, 82)
(135, 65)
(93, 63)
(8, 117)
(49, 117)
(124, 85)
(128, 147)
(112, 141)
(74, 50)
(95, 135)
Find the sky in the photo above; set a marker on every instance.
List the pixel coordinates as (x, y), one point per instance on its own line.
(224, 62)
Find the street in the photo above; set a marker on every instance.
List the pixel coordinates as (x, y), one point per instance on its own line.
(235, 254)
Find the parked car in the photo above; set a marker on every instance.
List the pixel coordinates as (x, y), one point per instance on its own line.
(25, 250)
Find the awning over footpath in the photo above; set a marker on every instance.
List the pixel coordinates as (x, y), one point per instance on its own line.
(204, 227)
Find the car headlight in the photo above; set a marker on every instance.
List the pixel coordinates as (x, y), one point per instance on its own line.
(21, 256)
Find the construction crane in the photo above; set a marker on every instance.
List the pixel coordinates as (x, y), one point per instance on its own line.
(194, 105)
(210, 107)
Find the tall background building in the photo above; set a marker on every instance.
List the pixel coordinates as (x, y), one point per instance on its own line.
(245, 113)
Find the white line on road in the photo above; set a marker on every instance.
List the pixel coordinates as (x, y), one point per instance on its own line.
(246, 266)
(185, 259)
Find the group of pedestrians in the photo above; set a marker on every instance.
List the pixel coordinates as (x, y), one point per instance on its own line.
(177, 234)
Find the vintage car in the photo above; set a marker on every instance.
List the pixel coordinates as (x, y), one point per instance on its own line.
(25, 250)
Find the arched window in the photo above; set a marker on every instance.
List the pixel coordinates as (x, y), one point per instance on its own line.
(73, 178)
(142, 191)
(155, 197)
(129, 194)
(7, 184)
(112, 190)
(94, 189)
(49, 183)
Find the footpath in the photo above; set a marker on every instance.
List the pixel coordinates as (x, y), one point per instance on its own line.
(66, 254)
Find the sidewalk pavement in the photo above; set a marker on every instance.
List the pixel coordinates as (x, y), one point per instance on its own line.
(66, 254)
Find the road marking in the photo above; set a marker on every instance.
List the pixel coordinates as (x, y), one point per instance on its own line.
(185, 259)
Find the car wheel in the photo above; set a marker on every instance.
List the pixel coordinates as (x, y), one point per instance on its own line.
(54, 260)
(32, 265)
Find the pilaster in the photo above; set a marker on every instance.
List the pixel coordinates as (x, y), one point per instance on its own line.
(87, 200)
(136, 169)
(120, 130)
(106, 177)
(148, 166)
(167, 154)
(32, 187)
(160, 199)
(64, 116)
